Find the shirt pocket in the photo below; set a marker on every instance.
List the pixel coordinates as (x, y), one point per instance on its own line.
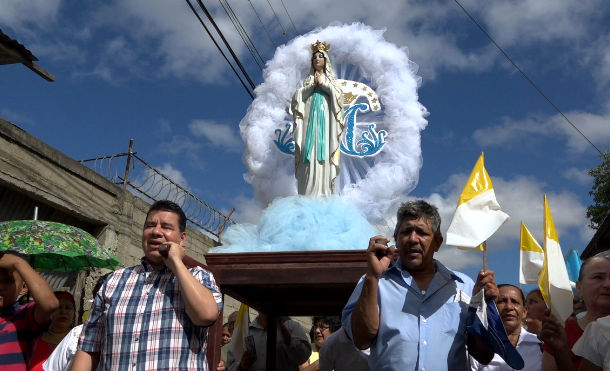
(451, 318)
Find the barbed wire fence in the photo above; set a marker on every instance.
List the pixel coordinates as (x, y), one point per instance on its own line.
(141, 178)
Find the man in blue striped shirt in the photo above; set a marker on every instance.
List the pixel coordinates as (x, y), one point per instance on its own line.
(152, 316)
(412, 314)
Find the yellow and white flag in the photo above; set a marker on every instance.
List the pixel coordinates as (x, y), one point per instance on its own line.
(478, 214)
(240, 331)
(531, 257)
(554, 282)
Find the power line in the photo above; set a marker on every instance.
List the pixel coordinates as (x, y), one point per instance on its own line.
(524, 74)
(289, 17)
(242, 33)
(262, 24)
(278, 20)
(219, 49)
(241, 67)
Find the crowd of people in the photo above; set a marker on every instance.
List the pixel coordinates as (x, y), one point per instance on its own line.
(408, 312)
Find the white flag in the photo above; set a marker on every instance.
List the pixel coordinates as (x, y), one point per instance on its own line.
(531, 257)
(240, 331)
(554, 282)
(478, 214)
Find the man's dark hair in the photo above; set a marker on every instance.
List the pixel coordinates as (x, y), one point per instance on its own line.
(333, 322)
(230, 326)
(518, 289)
(416, 209)
(166, 205)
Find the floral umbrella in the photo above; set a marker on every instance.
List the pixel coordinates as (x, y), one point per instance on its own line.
(58, 247)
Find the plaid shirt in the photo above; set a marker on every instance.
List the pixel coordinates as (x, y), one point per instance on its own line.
(139, 322)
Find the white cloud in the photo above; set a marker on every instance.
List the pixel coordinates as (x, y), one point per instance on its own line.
(538, 127)
(521, 26)
(247, 210)
(174, 174)
(594, 127)
(169, 36)
(59, 51)
(116, 57)
(165, 37)
(179, 144)
(520, 21)
(510, 131)
(25, 16)
(579, 176)
(220, 135)
(147, 182)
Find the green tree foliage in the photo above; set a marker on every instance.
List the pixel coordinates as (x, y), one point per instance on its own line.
(600, 192)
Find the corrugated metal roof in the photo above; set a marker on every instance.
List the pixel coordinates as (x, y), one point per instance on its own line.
(600, 241)
(14, 45)
(18, 206)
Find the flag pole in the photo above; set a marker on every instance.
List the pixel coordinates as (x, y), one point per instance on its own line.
(485, 255)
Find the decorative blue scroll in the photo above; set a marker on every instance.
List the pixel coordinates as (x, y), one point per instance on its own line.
(372, 140)
(369, 145)
(284, 142)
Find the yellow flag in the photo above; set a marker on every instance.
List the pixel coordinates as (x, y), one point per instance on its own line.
(554, 282)
(478, 182)
(478, 214)
(531, 257)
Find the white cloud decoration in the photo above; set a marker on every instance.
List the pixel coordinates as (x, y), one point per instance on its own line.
(394, 172)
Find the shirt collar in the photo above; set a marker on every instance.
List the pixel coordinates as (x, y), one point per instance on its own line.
(442, 276)
(149, 268)
(527, 337)
(445, 272)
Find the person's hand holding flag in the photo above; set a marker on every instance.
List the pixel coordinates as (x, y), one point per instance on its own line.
(487, 281)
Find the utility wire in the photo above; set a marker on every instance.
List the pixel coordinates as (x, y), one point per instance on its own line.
(240, 30)
(241, 67)
(278, 20)
(289, 17)
(245, 37)
(242, 33)
(219, 49)
(262, 24)
(524, 74)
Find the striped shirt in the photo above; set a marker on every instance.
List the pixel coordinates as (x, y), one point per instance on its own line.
(138, 322)
(17, 329)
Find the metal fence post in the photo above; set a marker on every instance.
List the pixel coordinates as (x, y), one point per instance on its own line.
(129, 153)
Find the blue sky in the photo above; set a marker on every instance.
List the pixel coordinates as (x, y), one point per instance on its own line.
(147, 70)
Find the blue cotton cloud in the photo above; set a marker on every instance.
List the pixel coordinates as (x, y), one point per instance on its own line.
(300, 223)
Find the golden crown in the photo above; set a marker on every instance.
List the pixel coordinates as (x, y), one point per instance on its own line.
(320, 46)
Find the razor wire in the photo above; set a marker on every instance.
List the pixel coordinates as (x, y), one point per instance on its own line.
(141, 178)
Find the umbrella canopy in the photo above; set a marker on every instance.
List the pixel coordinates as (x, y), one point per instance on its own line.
(58, 247)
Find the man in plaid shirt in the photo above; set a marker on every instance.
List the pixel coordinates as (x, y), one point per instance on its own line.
(152, 316)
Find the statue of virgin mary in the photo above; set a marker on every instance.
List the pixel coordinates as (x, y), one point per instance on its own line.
(317, 109)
